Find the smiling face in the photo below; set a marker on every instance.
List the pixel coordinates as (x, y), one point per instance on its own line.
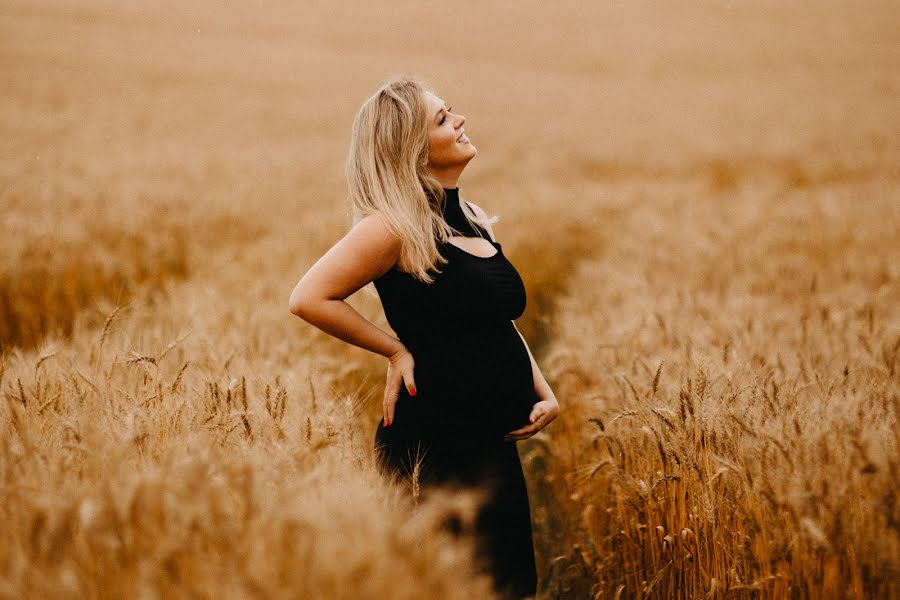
(449, 148)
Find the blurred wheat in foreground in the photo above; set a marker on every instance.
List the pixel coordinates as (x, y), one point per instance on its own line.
(134, 478)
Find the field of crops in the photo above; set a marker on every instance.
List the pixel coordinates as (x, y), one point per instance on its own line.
(702, 198)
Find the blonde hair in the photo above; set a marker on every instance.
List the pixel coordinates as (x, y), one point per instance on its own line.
(387, 172)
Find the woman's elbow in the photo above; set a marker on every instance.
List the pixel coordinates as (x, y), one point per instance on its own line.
(298, 304)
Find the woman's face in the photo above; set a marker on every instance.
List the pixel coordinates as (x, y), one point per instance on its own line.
(449, 148)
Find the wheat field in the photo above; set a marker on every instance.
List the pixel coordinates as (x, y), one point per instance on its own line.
(703, 200)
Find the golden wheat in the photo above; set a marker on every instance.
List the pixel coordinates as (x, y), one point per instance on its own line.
(702, 203)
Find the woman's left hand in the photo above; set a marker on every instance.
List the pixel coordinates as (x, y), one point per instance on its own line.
(541, 415)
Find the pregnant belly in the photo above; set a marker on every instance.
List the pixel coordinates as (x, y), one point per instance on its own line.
(479, 382)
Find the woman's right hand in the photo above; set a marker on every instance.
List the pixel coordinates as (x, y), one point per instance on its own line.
(400, 372)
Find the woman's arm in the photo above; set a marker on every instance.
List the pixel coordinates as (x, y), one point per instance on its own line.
(364, 254)
(541, 387)
(544, 410)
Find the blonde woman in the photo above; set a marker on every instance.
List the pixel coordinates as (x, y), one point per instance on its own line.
(462, 385)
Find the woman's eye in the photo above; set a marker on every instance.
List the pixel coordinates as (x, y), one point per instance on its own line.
(442, 120)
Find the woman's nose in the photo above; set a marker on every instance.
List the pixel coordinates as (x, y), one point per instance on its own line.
(461, 120)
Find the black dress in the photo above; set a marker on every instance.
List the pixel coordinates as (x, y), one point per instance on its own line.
(474, 383)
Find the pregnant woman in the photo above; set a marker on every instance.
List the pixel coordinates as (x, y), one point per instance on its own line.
(462, 384)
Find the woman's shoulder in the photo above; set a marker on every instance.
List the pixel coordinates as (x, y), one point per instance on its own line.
(372, 245)
(476, 209)
(375, 225)
(482, 216)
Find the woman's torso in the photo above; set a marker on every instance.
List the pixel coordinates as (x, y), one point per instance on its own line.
(472, 370)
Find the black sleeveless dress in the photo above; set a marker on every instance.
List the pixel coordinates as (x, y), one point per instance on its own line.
(474, 384)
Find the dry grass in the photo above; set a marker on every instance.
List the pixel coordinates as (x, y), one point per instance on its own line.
(702, 203)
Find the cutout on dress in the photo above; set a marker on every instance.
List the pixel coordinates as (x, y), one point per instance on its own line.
(483, 242)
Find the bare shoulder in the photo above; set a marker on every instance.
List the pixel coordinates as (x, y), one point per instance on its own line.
(483, 216)
(374, 244)
(375, 228)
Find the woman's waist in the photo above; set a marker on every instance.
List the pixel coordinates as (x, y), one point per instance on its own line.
(491, 358)
(449, 338)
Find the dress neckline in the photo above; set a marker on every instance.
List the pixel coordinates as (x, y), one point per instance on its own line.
(451, 202)
(453, 214)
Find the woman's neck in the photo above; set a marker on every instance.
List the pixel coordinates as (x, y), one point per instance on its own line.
(449, 179)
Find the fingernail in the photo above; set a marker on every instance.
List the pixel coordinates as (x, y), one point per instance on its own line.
(412, 392)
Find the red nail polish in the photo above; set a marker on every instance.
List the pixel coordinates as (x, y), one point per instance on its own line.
(412, 392)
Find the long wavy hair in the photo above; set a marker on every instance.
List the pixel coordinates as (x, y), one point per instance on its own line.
(387, 172)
